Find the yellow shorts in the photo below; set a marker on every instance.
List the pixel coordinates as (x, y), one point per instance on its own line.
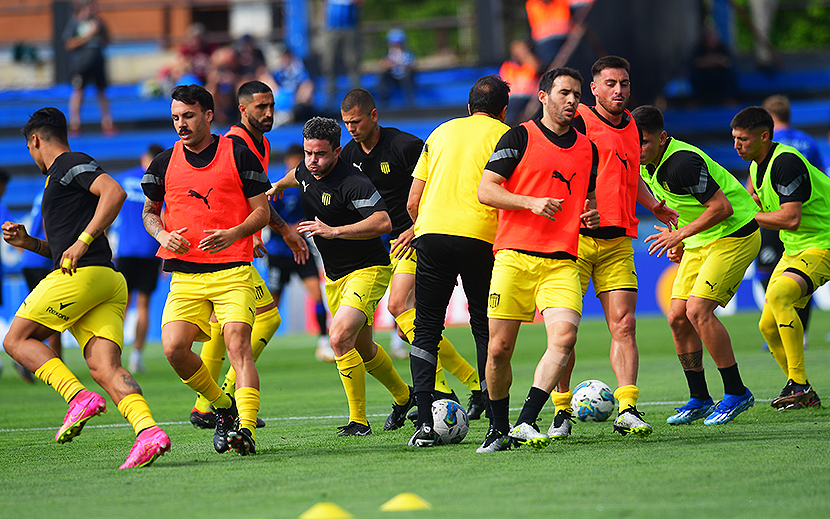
(521, 283)
(229, 293)
(262, 295)
(610, 263)
(813, 263)
(362, 289)
(89, 303)
(715, 270)
(403, 266)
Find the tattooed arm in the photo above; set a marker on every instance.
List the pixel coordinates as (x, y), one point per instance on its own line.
(173, 240)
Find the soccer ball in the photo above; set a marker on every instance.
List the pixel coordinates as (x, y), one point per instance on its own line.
(449, 422)
(593, 401)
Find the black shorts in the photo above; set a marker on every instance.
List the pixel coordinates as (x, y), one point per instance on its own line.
(281, 268)
(142, 274)
(94, 72)
(33, 276)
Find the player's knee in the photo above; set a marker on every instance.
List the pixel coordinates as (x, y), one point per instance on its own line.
(698, 314)
(396, 307)
(767, 324)
(624, 327)
(677, 319)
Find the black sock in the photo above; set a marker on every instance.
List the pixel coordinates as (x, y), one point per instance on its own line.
(424, 401)
(535, 401)
(732, 383)
(501, 414)
(697, 384)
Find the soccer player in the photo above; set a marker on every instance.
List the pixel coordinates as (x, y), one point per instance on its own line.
(794, 197)
(84, 293)
(213, 194)
(541, 177)
(256, 107)
(606, 255)
(454, 235)
(717, 238)
(346, 217)
(136, 253)
(388, 156)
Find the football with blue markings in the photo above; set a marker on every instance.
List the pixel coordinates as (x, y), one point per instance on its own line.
(593, 401)
(449, 422)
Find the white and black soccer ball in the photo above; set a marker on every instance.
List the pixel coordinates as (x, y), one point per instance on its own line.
(449, 422)
(593, 401)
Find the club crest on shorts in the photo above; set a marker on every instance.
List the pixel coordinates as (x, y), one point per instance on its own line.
(493, 301)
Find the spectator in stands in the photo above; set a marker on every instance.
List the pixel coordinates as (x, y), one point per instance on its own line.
(341, 38)
(85, 38)
(251, 60)
(222, 82)
(713, 73)
(397, 68)
(189, 65)
(549, 25)
(136, 253)
(763, 14)
(293, 91)
(520, 71)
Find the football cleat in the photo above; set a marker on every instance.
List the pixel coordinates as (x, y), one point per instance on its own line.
(495, 441)
(695, 409)
(630, 421)
(424, 437)
(796, 396)
(354, 429)
(202, 420)
(24, 374)
(242, 441)
(476, 405)
(225, 423)
(397, 417)
(730, 407)
(324, 352)
(82, 407)
(150, 444)
(529, 435)
(561, 426)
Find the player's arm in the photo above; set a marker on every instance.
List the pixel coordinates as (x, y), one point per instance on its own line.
(220, 239)
(667, 215)
(289, 180)
(372, 226)
(787, 218)
(416, 191)
(294, 241)
(791, 180)
(491, 192)
(172, 240)
(718, 209)
(590, 215)
(16, 235)
(111, 197)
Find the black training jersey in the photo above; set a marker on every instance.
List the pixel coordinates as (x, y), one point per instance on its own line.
(342, 197)
(68, 207)
(786, 169)
(685, 173)
(511, 148)
(254, 182)
(389, 166)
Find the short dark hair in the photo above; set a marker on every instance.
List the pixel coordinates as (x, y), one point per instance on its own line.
(609, 62)
(49, 122)
(779, 107)
(751, 118)
(649, 119)
(193, 94)
(247, 90)
(360, 98)
(324, 129)
(4, 177)
(490, 95)
(154, 149)
(294, 149)
(546, 81)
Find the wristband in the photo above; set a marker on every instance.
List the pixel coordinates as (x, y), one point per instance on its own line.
(86, 238)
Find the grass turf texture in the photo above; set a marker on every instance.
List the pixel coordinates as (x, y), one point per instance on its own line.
(764, 464)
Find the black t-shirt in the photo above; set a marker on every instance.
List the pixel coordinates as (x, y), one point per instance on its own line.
(254, 182)
(342, 197)
(68, 207)
(686, 173)
(389, 166)
(789, 177)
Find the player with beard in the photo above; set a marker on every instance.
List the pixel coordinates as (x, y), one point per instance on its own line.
(606, 255)
(256, 108)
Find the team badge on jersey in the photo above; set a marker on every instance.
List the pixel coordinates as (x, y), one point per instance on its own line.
(326, 198)
(384, 168)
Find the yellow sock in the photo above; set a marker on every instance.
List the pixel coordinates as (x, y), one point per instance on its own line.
(441, 379)
(55, 373)
(353, 376)
(406, 322)
(265, 326)
(769, 330)
(781, 295)
(453, 362)
(627, 396)
(203, 383)
(562, 400)
(247, 403)
(135, 409)
(382, 369)
(213, 357)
